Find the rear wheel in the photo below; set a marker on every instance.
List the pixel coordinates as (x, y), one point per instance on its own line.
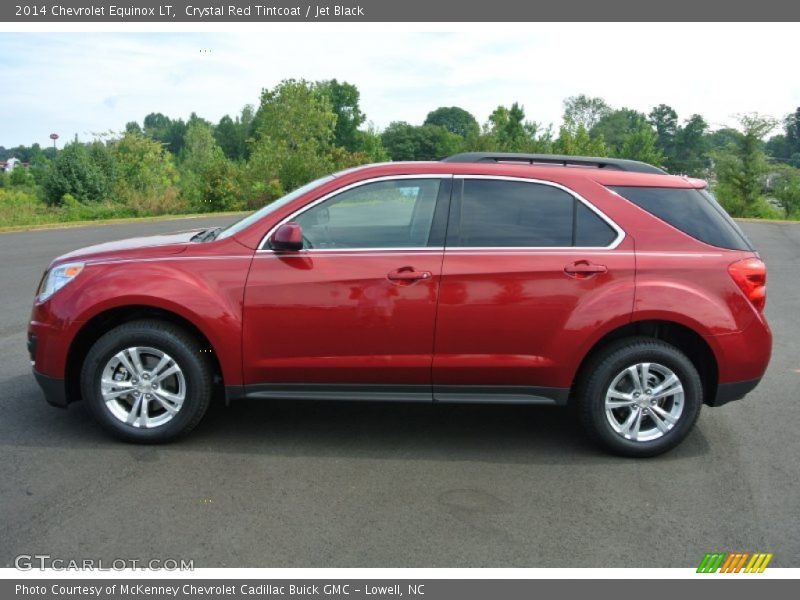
(639, 397)
(147, 381)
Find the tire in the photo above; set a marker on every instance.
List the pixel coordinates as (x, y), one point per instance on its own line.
(645, 418)
(174, 401)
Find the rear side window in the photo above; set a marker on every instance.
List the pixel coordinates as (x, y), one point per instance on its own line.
(499, 213)
(694, 212)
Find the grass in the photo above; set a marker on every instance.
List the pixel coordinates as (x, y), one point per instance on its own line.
(21, 210)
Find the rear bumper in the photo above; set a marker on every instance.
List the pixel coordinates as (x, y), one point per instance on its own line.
(728, 392)
(53, 387)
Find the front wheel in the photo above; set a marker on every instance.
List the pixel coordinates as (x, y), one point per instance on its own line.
(147, 381)
(639, 397)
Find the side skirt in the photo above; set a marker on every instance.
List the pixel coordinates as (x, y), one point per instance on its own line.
(451, 394)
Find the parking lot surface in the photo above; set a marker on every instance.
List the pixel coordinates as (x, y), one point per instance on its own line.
(302, 484)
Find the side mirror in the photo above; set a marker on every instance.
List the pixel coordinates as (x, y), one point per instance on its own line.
(288, 236)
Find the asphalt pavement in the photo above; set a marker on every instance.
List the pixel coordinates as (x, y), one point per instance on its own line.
(303, 484)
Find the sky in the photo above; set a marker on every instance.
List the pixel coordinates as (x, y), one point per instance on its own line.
(89, 83)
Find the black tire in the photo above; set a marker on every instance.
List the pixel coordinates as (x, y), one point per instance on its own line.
(599, 373)
(187, 353)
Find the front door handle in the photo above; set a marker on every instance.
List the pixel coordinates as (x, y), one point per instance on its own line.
(408, 275)
(583, 268)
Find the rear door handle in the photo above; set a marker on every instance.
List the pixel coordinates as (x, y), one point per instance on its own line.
(583, 268)
(408, 274)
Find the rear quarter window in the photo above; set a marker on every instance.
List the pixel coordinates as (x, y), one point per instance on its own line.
(694, 212)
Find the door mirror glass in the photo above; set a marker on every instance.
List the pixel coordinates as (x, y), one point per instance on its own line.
(288, 236)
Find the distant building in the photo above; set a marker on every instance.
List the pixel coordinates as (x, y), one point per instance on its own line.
(8, 165)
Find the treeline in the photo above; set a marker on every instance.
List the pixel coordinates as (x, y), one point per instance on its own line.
(301, 130)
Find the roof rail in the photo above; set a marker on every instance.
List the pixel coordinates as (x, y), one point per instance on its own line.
(612, 164)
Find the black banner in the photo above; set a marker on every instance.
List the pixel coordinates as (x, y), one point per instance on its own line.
(733, 588)
(245, 11)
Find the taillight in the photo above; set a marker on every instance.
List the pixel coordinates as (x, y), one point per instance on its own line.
(750, 275)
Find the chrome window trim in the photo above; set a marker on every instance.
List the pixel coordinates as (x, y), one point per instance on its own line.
(262, 247)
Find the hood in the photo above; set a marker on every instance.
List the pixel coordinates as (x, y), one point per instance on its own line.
(138, 247)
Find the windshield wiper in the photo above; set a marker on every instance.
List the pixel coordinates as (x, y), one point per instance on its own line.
(206, 235)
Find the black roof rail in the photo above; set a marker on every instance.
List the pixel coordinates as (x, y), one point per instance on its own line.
(612, 164)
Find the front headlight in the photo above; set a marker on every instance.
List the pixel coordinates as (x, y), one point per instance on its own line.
(58, 277)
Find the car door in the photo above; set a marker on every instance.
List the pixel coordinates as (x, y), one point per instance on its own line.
(530, 272)
(352, 313)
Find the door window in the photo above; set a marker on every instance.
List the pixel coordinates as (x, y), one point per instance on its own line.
(500, 213)
(383, 214)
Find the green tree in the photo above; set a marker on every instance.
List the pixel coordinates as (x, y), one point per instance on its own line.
(20, 176)
(585, 111)
(786, 190)
(293, 134)
(792, 128)
(616, 125)
(76, 172)
(232, 135)
(690, 152)
(455, 120)
(576, 141)
(145, 171)
(641, 144)
(343, 99)
(165, 130)
(665, 121)
(508, 130)
(742, 166)
(419, 142)
(370, 146)
(209, 180)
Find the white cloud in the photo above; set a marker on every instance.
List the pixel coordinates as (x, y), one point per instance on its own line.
(93, 82)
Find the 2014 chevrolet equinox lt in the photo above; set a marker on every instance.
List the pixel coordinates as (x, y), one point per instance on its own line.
(489, 278)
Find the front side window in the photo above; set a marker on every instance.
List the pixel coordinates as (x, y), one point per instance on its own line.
(499, 213)
(382, 214)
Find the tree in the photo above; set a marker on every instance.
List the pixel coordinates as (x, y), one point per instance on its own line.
(665, 120)
(508, 128)
(585, 111)
(690, 152)
(208, 178)
(641, 144)
(786, 190)
(343, 99)
(578, 142)
(455, 120)
(293, 133)
(792, 128)
(144, 170)
(425, 142)
(742, 166)
(76, 172)
(370, 146)
(616, 125)
(163, 129)
(233, 135)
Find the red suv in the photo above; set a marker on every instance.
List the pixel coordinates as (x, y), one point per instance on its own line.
(493, 278)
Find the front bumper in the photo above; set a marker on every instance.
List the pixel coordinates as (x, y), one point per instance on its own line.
(53, 387)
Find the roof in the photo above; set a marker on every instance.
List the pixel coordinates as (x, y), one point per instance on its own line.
(560, 174)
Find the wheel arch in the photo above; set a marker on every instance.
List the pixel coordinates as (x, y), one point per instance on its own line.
(107, 320)
(687, 340)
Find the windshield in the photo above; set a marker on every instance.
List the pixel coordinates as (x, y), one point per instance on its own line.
(271, 207)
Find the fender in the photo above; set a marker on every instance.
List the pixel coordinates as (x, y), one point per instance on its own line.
(207, 293)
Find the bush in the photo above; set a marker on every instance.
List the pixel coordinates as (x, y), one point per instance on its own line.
(76, 172)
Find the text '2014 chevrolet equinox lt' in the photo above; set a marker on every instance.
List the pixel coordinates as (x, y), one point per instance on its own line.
(494, 278)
